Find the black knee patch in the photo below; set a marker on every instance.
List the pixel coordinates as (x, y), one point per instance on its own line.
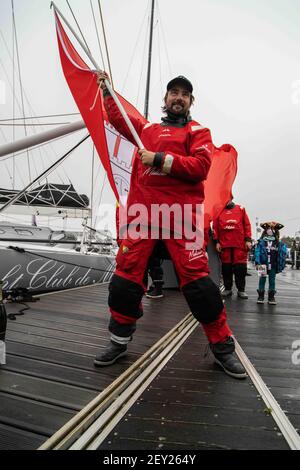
(204, 299)
(125, 296)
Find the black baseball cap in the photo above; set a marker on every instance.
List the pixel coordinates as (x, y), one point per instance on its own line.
(180, 80)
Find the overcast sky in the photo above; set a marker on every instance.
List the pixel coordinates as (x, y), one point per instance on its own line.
(242, 56)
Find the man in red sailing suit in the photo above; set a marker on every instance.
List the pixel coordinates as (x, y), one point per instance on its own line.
(232, 234)
(172, 171)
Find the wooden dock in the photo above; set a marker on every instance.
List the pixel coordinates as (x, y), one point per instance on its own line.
(191, 404)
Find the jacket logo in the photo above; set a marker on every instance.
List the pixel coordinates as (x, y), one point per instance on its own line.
(232, 226)
(195, 254)
(154, 171)
(204, 147)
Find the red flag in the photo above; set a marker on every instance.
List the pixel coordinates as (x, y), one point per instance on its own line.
(82, 82)
(218, 186)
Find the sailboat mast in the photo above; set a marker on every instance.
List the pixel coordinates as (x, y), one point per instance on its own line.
(149, 62)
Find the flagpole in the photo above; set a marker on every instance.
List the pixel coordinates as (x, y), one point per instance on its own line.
(108, 85)
(125, 116)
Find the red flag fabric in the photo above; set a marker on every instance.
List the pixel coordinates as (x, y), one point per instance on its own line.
(218, 186)
(114, 151)
(83, 86)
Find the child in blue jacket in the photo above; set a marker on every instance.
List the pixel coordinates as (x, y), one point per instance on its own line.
(271, 253)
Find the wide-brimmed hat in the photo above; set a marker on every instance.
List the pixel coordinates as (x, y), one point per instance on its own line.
(272, 224)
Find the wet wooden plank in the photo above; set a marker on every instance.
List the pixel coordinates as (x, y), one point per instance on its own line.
(32, 416)
(12, 438)
(157, 434)
(50, 351)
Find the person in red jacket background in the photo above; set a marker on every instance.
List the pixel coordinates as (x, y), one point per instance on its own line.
(232, 235)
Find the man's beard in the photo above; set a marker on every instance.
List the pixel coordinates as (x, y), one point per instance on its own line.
(180, 111)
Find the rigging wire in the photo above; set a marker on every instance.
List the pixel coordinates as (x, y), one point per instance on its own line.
(105, 42)
(165, 42)
(134, 49)
(33, 128)
(159, 62)
(92, 185)
(4, 136)
(5, 164)
(44, 174)
(144, 58)
(40, 117)
(20, 78)
(78, 26)
(32, 110)
(96, 28)
(100, 197)
(96, 196)
(31, 124)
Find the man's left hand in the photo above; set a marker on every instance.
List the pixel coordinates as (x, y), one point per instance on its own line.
(248, 246)
(146, 157)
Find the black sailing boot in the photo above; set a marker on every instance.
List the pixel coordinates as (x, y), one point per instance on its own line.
(225, 358)
(110, 354)
(271, 297)
(226, 293)
(242, 294)
(155, 290)
(227, 275)
(261, 296)
(240, 271)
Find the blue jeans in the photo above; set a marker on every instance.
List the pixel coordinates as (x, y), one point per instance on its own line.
(262, 280)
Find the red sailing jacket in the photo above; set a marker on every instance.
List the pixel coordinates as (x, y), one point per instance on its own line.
(232, 228)
(187, 155)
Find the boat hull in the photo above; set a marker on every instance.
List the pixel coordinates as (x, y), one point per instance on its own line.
(40, 270)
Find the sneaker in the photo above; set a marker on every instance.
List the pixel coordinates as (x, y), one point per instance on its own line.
(242, 295)
(154, 292)
(226, 293)
(110, 355)
(226, 358)
(261, 296)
